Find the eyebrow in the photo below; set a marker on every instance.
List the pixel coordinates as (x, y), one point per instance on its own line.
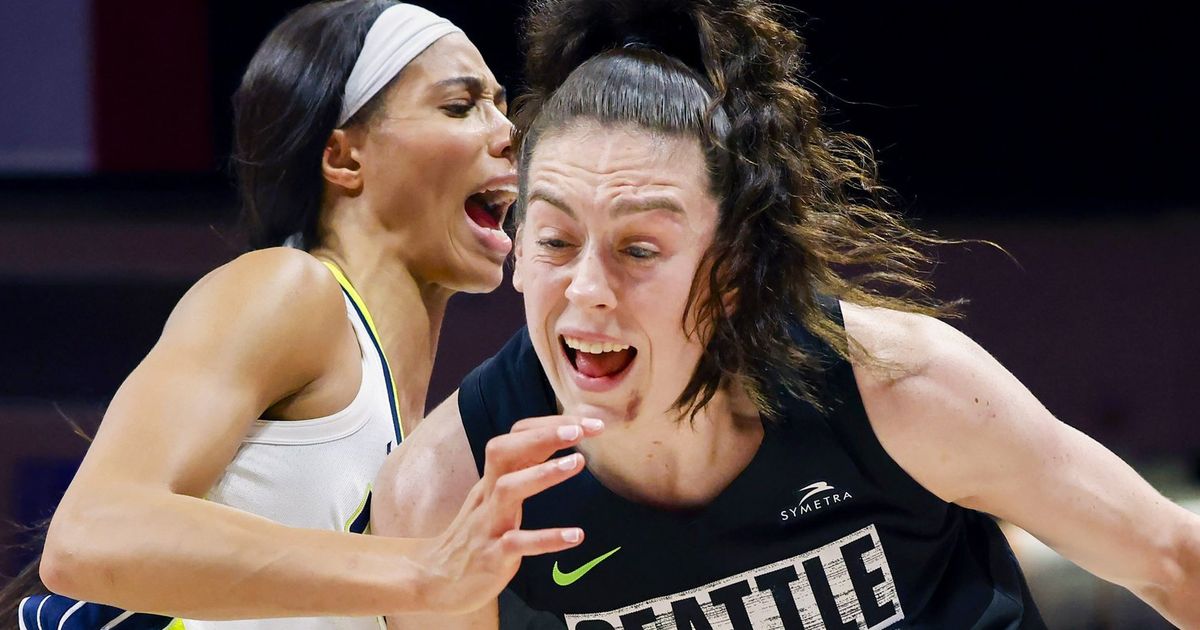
(622, 208)
(538, 194)
(646, 204)
(474, 85)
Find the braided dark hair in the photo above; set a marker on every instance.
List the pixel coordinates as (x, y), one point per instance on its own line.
(802, 213)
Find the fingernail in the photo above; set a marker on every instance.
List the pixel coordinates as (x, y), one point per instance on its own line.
(572, 535)
(568, 462)
(569, 432)
(593, 424)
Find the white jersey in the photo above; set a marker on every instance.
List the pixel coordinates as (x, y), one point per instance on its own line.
(317, 473)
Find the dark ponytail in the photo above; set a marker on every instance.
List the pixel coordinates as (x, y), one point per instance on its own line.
(802, 212)
(286, 107)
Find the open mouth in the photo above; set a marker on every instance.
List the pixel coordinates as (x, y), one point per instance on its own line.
(487, 208)
(595, 359)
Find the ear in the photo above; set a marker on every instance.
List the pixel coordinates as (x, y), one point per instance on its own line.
(518, 282)
(339, 162)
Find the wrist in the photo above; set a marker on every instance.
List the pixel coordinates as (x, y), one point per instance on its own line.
(431, 585)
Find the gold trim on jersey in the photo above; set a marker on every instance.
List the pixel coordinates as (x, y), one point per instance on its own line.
(362, 308)
(359, 510)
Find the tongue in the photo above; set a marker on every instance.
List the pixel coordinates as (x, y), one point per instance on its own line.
(603, 364)
(479, 214)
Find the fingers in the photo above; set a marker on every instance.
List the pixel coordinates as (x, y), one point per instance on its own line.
(532, 445)
(591, 426)
(540, 541)
(515, 468)
(513, 488)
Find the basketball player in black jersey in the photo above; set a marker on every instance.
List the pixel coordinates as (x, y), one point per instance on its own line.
(784, 447)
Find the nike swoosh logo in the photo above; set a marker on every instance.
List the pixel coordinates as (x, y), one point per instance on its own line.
(567, 579)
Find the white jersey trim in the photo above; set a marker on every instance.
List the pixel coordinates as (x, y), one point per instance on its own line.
(335, 426)
(115, 622)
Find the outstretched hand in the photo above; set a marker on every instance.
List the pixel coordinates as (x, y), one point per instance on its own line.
(477, 555)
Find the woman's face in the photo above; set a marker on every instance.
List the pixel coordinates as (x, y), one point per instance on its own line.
(618, 221)
(437, 167)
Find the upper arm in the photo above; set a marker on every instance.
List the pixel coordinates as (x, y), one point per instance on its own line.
(967, 430)
(419, 491)
(423, 483)
(247, 335)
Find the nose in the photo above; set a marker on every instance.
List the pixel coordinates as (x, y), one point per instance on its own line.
(590, 286)
(500, 136)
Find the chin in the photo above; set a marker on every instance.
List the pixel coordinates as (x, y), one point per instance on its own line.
(483, 278)
(622, 409)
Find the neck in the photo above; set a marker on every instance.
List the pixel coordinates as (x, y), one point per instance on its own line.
(677, 463)
(407, 312)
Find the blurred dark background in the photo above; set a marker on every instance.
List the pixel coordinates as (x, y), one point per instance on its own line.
(1064, 132)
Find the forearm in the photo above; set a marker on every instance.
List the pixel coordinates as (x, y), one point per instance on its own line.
(185, 557)
(1180, 607)
(486, 618)
(1176, 594)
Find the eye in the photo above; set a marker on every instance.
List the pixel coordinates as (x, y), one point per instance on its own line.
(459, 109)
(553, 243)
(640, 253)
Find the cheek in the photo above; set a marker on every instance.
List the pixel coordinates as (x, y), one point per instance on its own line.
(670, 341)
(665, 294)
(541, 292)
(543, 305)
(431, 162)
(439, 159)
(663, 306)
(450, 146)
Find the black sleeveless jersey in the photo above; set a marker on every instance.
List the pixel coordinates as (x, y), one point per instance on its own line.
(821, 530)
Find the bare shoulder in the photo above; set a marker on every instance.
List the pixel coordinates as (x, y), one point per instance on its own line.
(262, 296)
(275, 316)
(902, 345)
(936, 400)
(275, 281)
(423, 483)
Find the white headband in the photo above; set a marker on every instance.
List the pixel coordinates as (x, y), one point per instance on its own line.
(398, 35)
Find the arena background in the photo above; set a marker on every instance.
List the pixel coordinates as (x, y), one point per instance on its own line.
(1063, 132)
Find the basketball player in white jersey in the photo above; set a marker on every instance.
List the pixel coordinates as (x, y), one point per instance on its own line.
(235, 463)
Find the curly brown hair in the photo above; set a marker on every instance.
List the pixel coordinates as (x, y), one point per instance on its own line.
(802, 212)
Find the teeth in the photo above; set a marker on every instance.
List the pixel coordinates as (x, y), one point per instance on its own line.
(593, 348)
(501, 195)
